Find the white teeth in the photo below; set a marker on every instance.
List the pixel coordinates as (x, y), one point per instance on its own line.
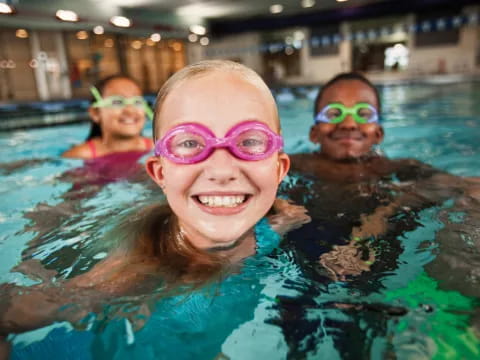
(221, 201)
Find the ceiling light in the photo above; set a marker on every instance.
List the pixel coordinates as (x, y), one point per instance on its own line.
(156, 37)
(120, 21)
(276, 9)
(66, 15)
(192, 37)
(204, 41)
(21, 33)
(308, 3)
(198, 29)
(341, 0)
(6, 9)
(98, 30)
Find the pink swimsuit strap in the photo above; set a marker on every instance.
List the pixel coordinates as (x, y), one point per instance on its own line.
(147, 143)
(93, 150)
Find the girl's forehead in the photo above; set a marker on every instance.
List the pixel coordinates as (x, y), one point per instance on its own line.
(121, 86)
(349, 92)
(218, 102)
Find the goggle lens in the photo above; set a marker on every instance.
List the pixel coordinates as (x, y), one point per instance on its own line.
(252, 142)
(186, 145)
(365, 113)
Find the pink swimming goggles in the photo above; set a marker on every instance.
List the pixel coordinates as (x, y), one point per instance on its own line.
(191, 143)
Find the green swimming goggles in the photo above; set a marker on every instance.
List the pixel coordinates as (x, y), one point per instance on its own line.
(334, 113)
(120, 101)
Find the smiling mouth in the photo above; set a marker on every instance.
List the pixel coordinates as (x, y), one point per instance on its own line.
(347, 138)
(224, 201)
(128, 121)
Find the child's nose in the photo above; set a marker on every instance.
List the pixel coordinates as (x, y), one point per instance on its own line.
(348, 123)
(222, 167)
(130, 108)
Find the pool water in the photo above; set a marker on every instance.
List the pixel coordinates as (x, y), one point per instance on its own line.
(423, 303)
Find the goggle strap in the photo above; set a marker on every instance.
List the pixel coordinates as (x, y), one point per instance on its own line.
(148, 111)
(96, 95)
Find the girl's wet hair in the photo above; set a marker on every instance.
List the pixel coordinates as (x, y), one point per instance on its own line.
(202, 68)
(95, 129)
(154, 239)
(346, 77)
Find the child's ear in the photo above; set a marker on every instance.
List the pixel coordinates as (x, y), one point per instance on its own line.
(283, 166)
(154, 168)
(94, 115)
(379, 133)
(314, 135)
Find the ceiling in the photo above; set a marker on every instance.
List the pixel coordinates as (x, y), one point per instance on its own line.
(172, 18)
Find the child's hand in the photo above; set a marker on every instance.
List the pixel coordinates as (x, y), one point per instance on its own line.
(346, 260)
(287, 216)
(34, 269)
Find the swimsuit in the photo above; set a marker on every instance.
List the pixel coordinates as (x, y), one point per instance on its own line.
(93, 148)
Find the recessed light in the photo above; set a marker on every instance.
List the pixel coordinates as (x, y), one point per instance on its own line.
(342, 0)
(156, 37)
(120, 21)
(204, 41)
(276, 9)
(67, 15)
(6, 9)
(198, 29)
(98, 30)
(308, 3)
(192, 37)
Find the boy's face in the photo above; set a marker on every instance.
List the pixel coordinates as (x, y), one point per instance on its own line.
(218, 200)
(121, 122)
(347, 139)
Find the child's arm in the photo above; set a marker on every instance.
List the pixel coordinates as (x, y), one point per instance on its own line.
(287, 216)
(4, 348)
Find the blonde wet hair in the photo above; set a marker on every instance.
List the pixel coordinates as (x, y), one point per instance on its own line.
(203, 68)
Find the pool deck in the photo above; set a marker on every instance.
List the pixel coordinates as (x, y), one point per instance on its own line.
(30, 114)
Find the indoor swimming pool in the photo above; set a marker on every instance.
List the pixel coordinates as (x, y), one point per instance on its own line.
(418, 299)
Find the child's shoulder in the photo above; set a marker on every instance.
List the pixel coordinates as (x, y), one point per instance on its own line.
(80, 151)
(148, 142)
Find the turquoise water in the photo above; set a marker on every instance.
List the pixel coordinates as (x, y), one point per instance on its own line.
(423, 303)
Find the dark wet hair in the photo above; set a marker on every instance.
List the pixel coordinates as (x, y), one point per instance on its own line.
(342, 77)
(95, 129)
